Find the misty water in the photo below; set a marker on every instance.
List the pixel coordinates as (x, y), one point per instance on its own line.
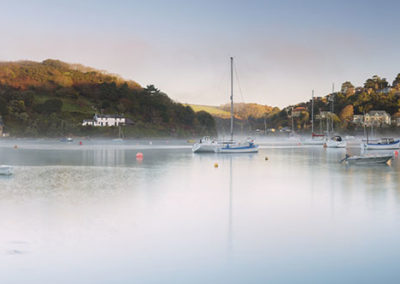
(95, 214)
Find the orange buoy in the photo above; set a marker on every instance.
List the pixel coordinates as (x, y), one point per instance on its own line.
(396, 153)
(80, 142)
(139, 156)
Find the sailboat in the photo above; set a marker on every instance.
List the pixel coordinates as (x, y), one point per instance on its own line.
(316, 139)
(232, 146)
(120, 135)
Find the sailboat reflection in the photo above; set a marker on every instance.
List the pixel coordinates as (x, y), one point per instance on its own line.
(230, 219)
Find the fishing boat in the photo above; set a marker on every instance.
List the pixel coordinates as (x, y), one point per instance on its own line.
(232, 146)
(206, 144)
(382, 144)
(6, 170)
(368, 159)
(335, 142)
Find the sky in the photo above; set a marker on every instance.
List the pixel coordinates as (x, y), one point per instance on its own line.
(282, 49)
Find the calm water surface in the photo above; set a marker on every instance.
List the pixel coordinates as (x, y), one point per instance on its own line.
(94, 214)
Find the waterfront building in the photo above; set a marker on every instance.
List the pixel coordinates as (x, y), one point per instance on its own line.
(358, 119)
(377, 118)
(104, 120)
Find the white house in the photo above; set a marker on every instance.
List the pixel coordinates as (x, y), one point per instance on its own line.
(105, 120)
(377, 118)
(358, 119)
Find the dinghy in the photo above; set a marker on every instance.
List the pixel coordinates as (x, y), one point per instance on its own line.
(367, 159)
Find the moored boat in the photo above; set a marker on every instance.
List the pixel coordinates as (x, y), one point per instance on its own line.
(6, 170)
(335, 142)
(205, 145)
(368, 159)
(382, 144)
(67, 139)
(234, 146)
(238, 147)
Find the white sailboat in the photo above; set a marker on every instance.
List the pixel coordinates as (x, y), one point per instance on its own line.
(232, 146)
(316, 139)
(382, 144)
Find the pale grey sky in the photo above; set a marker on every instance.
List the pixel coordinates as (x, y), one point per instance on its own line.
(283, 49)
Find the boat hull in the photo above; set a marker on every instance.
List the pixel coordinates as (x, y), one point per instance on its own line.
(368, 160)
(6, 170)
(204, 148)
(237, 149)
(335, 144)
(391, 146)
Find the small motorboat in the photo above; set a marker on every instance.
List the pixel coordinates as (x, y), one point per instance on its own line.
(6, 170)
(367, 159)
(335, 142)
(382, 144)
(206, 144)
(67, 140)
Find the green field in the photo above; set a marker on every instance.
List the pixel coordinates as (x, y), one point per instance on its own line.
(213, 110)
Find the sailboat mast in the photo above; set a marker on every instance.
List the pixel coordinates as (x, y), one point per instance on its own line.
(333, 102)
(312, 113)
(231, 98)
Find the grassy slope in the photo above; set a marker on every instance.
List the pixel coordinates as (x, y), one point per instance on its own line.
(213, 110)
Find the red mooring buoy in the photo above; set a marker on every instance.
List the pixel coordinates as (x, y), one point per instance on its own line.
(139, 156)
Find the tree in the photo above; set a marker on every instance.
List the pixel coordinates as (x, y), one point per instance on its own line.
(151, 90)
(396, 82)
(346, 114)
(376, 83)
(345, 86)
(50, 106)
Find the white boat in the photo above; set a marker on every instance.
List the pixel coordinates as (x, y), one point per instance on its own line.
(368, 159)
(316, 139)
(6, 170)
(232, 146)
(206, 145)
(382, 144)
(67, 139)
(335, 142)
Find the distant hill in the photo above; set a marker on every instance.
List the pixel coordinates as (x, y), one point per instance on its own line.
(51, 98)
(242, 111)
(213, 110)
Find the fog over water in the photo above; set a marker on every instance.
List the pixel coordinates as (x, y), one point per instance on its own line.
(95, 214)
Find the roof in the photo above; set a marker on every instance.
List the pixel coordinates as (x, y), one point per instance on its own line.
(299, 109)
(109, 116)
(374, 112)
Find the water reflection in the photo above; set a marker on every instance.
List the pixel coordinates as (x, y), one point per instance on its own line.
(99, 216)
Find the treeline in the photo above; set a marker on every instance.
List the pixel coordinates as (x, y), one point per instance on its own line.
(52, 98)
(376, 94)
